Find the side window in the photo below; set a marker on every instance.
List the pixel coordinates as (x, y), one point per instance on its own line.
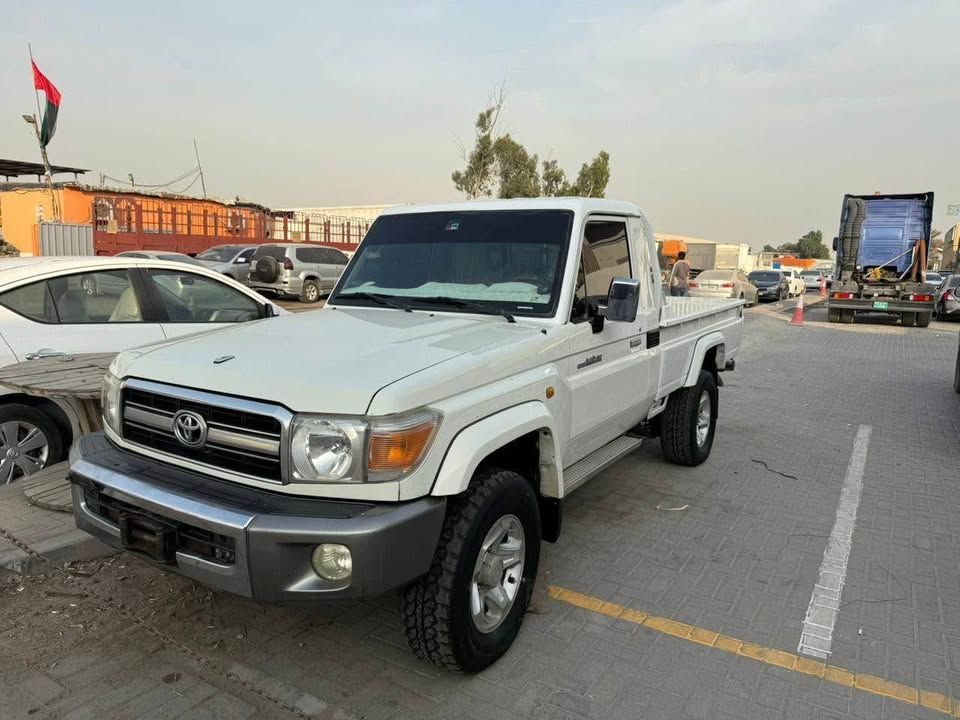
(304, 255)
(33, 301)
(245, 256)
(190, 298)
(105, 296)
(605, 254)
(335, 257)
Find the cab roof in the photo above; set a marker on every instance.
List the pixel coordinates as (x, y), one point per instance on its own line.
(579, 205)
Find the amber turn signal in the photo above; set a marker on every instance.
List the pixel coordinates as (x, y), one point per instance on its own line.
(396, 449)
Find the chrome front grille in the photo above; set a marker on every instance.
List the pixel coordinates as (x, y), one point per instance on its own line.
(244, 437)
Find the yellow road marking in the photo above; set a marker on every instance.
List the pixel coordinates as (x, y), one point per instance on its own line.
(769, 656)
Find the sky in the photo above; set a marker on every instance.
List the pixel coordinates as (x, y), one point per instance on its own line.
(733, 120)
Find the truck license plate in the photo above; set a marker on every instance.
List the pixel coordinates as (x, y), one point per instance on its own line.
(880, 305)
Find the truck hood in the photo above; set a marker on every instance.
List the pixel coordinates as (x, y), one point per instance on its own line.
(331, 360)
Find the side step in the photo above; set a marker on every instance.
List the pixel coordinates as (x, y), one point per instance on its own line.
(598, 461)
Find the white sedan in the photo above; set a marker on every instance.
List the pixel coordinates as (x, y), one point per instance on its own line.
(724, 284)
(60, 306)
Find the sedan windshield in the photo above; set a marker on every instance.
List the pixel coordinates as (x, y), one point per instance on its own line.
(223, 253)
(507, 260)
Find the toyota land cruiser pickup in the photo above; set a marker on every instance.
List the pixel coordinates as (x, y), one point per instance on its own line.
(475, 364)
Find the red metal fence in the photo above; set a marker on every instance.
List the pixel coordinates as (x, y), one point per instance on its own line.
(132, 223)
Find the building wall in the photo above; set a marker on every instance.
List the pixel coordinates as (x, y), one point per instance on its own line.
(359, 212)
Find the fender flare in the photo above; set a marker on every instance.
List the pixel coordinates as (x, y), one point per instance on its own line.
(699, 353)
(477, 441)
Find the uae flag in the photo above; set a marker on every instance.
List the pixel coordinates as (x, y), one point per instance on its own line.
(40, 82)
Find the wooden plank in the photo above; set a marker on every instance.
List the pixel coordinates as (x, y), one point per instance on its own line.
(77, 376)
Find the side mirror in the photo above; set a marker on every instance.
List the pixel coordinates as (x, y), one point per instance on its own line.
(836, 243)
(623, 299)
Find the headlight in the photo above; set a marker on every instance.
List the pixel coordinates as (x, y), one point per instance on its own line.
(110, 401)
(329, 449)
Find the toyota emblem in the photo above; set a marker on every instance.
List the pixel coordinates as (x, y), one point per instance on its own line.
(190, 429)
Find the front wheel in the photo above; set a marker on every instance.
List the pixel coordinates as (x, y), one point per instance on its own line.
(467, 610)
(310, 292)
(690, 421)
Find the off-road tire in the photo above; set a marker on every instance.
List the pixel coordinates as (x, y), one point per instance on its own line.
(435, 608)
(833, 315)
(923, 319)
(678, 436)
(310, 293)
(908, 319)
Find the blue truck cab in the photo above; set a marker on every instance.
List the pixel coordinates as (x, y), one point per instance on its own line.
(882, 251)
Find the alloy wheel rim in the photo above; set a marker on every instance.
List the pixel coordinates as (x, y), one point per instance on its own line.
(497, 574)
(703, 419)
(24, 449)
(312, 292)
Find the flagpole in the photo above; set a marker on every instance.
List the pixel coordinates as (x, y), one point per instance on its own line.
(38, 118)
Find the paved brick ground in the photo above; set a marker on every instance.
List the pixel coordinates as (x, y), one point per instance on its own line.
(741, 559)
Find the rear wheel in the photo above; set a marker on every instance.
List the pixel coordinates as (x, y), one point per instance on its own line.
(467, 610)
(29, 441)
(689, 422)
(846, 316)
(833, 315)
(907, 319)
(923, 319)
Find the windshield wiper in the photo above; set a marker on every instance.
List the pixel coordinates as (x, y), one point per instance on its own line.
(457, 302)
(379, 298)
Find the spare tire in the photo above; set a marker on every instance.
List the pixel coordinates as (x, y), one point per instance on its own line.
(267, 269)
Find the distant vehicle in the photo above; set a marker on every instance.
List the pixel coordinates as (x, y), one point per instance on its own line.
(794, 280)
(232, 260)
(159, 255)
(812, 279)
(770, 284)
(48, 310)
(303, 270)
(724, 284)
(948, 298)
(882, 248)
(934, 278)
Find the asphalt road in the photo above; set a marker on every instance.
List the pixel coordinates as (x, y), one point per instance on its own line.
(673, 592)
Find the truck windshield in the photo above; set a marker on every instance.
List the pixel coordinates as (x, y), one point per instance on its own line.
(508, 260)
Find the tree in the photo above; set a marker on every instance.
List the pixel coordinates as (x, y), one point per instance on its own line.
(499, 163)
(769, 249)
(811, 246)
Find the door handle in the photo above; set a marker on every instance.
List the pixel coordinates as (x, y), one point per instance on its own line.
(45, 353)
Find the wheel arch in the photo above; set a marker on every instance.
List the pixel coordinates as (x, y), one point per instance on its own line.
(705, 357)
(521, 438)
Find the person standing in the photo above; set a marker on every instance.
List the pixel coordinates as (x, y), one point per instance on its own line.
(680, 276)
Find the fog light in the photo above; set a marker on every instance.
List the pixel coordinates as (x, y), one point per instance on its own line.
(332, 561)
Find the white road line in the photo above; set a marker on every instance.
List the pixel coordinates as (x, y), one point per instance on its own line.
(817, 635)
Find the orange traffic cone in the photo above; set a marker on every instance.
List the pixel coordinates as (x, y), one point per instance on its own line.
(823, 287)
(797, 318)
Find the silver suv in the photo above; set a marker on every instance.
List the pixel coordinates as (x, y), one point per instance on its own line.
(304, 270)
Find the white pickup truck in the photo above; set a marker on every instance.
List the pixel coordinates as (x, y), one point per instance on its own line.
(475, 364)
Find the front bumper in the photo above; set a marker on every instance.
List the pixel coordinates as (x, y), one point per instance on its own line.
(894, 305)
(245, 541)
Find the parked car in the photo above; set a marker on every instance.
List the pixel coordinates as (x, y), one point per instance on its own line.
(724, 284)
(47, 309)
(498, 356)
(947, 304)
(770, 284)
(813, 279)
(794, 280)
(159, 255)
(232, 260)
(303, 270)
